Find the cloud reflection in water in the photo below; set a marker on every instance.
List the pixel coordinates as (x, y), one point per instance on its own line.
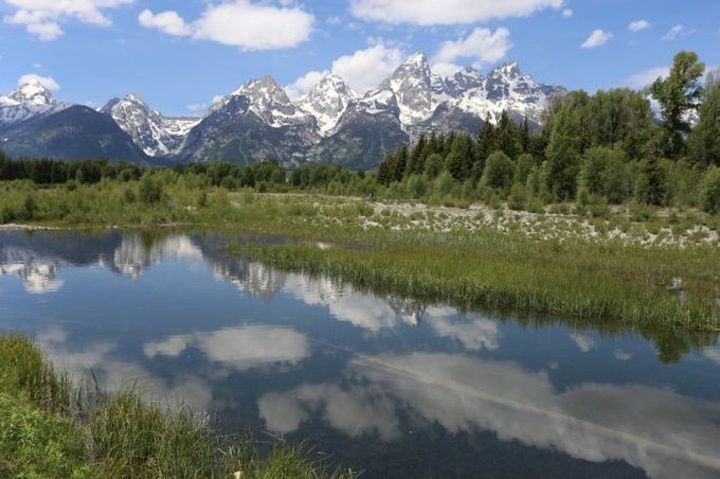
(658, 430)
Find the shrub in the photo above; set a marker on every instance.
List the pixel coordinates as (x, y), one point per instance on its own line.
(151, 189)
(498, 173)
(710, 191)
(518, 197)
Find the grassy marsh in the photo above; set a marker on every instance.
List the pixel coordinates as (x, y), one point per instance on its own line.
(50, 427)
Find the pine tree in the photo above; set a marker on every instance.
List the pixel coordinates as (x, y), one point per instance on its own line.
(401, 161)
(487, 142)
(460, 159)
(507, 136)
(416, 163)
(525, 135)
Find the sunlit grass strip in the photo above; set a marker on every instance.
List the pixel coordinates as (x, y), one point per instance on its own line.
(51, 428)
(507, 272)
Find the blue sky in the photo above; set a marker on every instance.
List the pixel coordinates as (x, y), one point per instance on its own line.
(178, 55)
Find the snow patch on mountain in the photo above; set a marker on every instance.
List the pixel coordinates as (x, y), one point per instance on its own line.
(327, 102)
(410, 101)
(269, 102)
(504, 89)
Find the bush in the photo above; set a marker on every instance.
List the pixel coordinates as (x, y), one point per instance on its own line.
(151, 189)
(518, 197)
(498, 173)
(710, 191)
(652, 186)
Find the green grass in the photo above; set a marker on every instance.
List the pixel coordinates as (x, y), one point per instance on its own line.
(52, 428)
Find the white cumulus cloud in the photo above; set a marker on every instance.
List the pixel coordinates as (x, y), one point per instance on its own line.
(238, 23)
(481, 46)
(673, 33)
(167, 22)
(448, 12)
(305, 83)
(638, 26)
(567, 13)
(47, 82)
(596, 39)
(42, 18)
(362, 70)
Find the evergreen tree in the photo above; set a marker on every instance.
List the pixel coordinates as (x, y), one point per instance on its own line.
(677, 94)
(508, 136)
(460, 158)
(416, 163)
(487, 140)
(386, 170)
(525, 135)
(400, 163)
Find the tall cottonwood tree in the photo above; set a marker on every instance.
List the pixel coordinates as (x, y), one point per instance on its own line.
(679, 92)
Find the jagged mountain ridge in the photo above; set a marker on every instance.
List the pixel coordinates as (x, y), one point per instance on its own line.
(155, 134)
(332, 123)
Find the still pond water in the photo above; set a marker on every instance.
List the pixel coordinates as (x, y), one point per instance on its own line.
(383, 384)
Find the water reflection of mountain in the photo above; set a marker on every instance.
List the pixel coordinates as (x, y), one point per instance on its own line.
(37, 258)
(137, 253)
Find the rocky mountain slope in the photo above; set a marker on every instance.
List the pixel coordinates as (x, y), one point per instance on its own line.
(332, 123)
(154, 133)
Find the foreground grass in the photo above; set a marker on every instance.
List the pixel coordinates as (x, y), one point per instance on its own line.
(51, 428)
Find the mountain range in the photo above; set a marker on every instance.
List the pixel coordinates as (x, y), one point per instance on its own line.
(331, 123)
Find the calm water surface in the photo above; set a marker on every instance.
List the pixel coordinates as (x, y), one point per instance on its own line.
(374, 382)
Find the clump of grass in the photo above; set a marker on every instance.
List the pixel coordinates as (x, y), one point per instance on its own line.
(51, 428)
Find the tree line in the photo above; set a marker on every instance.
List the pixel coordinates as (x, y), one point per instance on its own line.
(608, 147)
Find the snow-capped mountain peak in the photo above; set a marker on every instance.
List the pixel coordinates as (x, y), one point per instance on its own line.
(149, 129)
(269, 102)
(505, 88)
(506, 70)
(30, 100)
(331, 119)
(134, 98)
(33, 92)
(327, 102)
(409, 89)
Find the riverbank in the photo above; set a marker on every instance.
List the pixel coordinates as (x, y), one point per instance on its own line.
(50, 427)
